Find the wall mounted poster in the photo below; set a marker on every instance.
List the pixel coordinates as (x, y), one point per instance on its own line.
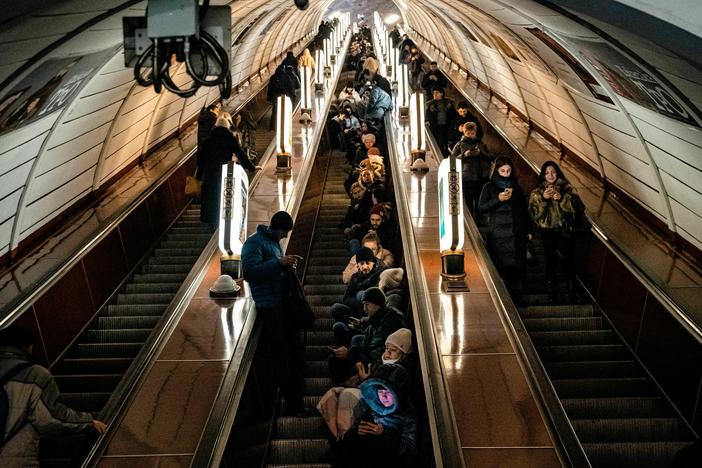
(631, 81)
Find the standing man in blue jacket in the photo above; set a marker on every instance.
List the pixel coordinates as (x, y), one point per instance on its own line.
(266, 269)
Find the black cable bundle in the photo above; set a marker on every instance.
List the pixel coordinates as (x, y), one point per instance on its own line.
(201, 55)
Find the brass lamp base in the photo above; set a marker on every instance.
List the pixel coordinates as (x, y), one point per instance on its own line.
(453, 272)
(305, 116)
(319, 88)
(404, 113)
(282, 163)
(418, 154)
(327, 71)
(230, 265)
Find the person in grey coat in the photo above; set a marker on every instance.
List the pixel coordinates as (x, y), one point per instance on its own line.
(33, 408)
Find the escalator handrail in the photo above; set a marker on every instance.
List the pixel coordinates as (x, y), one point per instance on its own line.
(442, 420)
(694, 329)
(568, 444)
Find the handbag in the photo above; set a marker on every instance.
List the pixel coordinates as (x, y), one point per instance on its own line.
(531, 258)
(193, 187)
(302, 315)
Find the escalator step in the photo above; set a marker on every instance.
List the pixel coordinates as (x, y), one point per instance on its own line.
(173, 259)
(563, 324)
(320, 337)
(92, 366)
(557, 311)
(152, 288)
(143, 322)
(633, 407)
(90, 402)
(325, 270)
(123, 310)
(317, 353)
(190, 237)
(627, 430)
(323, 324)
(581, 353)
(330, 261)
(116, 335)
(144, 298)
(339, 289)
(575, 369)
(300, 428)
(93, 383)
(324, 279)
(169, 256)
(174, 269)
(633, 455)
(324, 299)
(611, 387)
(329, 244)
(317, 385)
(181, 244)
(298, 450)
(322, 311)
(149, 276)
(580, 337)
(316, 368)
(107, 350)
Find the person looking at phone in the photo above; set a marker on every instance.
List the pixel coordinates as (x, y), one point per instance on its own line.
(503, 205)
(266, 270)
(369, 346)
(551, 203)
(475, 164)
(386, 434)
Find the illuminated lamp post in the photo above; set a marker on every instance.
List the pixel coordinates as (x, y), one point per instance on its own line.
(328, 62)
(329, 52)
(232, 218)
(451, 232)
(305, 94)
(319, 71)
(283, 133)
(418, 136)
(403, 92)
(392, 66)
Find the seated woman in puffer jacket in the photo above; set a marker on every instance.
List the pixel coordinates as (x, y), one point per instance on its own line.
(386, 434)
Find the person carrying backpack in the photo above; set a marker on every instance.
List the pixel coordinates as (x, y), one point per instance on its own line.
(29, 406)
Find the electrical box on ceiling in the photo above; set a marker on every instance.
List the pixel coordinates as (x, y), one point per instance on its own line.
(172, 18)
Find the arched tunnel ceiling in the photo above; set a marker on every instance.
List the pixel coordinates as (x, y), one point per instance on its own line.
(624, 105)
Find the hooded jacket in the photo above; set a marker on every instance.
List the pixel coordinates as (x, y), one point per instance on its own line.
(379, 103)
(260, 266)
(382, 324)
(33, 410)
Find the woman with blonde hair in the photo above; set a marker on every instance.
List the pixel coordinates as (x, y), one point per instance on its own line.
(306, 60)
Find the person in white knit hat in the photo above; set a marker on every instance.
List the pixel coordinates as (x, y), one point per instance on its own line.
(340, 406)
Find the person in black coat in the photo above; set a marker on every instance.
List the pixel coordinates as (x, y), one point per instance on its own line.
(280, 84)
(216, 150)
(290, 60)
(475, 164)
(433, 79)
(206, 120)
(504, 206)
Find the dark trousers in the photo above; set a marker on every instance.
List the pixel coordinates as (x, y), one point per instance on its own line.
(471, 194)
(287, 350)
(554, 241)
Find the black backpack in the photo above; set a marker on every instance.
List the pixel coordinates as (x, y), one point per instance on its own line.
(5, 399)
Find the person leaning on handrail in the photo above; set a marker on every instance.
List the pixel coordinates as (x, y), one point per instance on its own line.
(33, 407)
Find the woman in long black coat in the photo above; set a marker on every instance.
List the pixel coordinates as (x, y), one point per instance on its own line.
(504, 208)
(217, 149)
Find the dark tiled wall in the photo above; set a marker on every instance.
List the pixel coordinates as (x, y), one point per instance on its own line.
(60, 314)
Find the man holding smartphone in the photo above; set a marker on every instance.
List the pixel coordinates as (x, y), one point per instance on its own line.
(266, 269)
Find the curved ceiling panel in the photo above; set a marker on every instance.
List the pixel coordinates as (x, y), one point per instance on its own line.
(87, 120)
(625, 106)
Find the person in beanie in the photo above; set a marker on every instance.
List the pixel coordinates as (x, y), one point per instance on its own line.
(340, 406)
(267, 271)
(367, 275)
(386, 434)
(372, 241)
(33, 407)
(369, 347)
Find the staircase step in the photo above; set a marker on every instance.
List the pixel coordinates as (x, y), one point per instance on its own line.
(627, 430)
(317, 385)
(92, 366)
(142, 322)
(144, 298)
(152, 288)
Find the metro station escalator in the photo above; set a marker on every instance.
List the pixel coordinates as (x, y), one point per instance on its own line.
(303, 441)
(618, 413)
(92, 368)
